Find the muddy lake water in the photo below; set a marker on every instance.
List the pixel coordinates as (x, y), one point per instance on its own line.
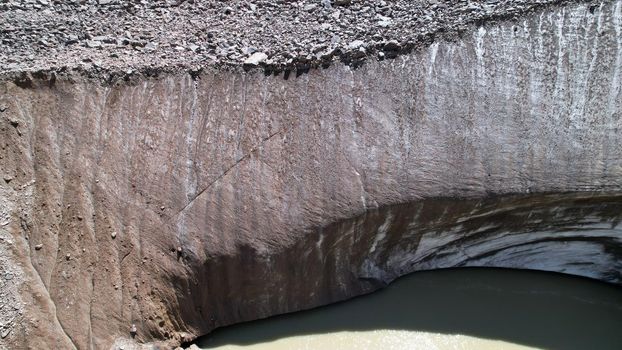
(467, 308)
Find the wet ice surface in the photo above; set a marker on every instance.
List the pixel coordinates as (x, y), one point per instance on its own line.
(450, 309)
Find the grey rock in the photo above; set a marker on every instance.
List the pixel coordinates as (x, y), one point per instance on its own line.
(256, 58)
(356, 44)
(151, 46)
(249, 50)
(71, 39)
(384, 21)
(392, 45)
(342, 2)
(310, 7)
(93, 43)
(5, 332)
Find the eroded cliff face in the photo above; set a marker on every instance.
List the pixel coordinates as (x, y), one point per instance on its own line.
(186, 202)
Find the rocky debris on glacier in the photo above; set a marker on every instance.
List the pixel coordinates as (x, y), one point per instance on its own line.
(103, 36)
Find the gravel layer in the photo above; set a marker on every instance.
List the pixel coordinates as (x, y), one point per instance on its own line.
(104, 37)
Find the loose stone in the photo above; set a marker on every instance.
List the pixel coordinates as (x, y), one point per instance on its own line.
(256, 58)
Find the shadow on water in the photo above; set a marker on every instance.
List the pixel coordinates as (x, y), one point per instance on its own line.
(538, 309)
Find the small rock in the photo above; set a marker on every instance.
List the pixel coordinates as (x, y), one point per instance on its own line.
(7, 178)
(342, 2)
(310, 7)
(71, 39)
(179, 250)
(113, 234)
(137, 43)
(5, 332)
(3, 108)
(68, 256)
(256, 58)
(93, 44)
(356, 44)
(249, 50)
(151, 47)
(385, 23)
(38, 246)
(392, 45)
